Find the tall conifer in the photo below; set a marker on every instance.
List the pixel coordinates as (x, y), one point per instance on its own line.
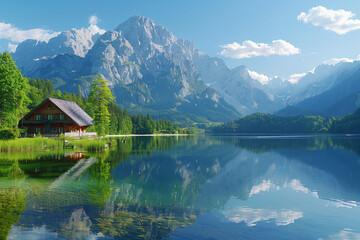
(100, 96)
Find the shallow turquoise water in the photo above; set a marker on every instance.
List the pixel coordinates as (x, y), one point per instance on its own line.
(192, 187)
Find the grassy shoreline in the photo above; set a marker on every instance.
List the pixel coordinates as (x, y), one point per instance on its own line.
(149, 135)
(88, 145)
(36, 144)
(29, 144)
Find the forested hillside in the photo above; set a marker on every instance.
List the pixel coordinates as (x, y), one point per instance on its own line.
(267, 123)
(347, 124)
(121, 122)
(19, 95)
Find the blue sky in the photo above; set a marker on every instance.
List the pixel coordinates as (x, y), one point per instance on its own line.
(210, 24)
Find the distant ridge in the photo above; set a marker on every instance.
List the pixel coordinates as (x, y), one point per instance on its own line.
(152, 71)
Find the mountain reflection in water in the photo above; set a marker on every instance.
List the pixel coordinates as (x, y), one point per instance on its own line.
(186, 187)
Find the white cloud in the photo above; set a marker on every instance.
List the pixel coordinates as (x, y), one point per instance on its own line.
(263, 79)
(252, 216)
(339, 21)
(12, 47)
(93, 20)
(296, 185)
(346, 234)
(42, 232)
(334, 61)
(264, 186)
(93, 28)
(14, 34)
(340, 203)
(294, 78)
(250, 49)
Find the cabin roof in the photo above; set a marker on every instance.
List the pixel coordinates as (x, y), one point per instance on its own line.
(71, 109)
(76, 113)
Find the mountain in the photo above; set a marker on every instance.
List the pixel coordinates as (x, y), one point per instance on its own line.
(75, 41)
(236, 85)
(328, 91)
(152, 71)
(148, 69)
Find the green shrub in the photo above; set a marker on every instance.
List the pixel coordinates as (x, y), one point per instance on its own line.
(8, 134)
(23, 130)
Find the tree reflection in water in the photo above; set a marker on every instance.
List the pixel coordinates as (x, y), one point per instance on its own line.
(12, 204)
(151, 186)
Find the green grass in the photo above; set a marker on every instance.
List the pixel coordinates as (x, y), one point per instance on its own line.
(89, 145)
(29, 144)
(38, 144)
(30, 155)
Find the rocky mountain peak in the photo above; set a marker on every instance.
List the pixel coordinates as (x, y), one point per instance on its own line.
(139, 20)
(74, 42)
(147, 66)
(140, 30)
(79, 41)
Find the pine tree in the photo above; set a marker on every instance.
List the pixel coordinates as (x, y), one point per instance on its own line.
(139, 124)
(120, 120)
(128, 124)
(78, 96)
(100, 96)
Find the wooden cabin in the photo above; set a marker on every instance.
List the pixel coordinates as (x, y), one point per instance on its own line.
(55, 116)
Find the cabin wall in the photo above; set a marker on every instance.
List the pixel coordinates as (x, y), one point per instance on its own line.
(48, 118)
(55, 128)
(48, 108)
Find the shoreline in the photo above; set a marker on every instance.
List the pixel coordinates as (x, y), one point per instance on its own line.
(148, 135)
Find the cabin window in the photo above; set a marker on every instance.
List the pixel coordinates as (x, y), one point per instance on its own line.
(37, 129)
(62, 116)
(52, 117)
(61, 129)
(39, 117)
(49, 107)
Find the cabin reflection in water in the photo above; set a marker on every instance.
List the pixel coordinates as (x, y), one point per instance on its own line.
(74, 156)
(193, 187)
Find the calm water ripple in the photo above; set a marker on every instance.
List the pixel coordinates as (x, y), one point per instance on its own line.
(189, 187)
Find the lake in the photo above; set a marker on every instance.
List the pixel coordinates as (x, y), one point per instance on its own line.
(186, 187)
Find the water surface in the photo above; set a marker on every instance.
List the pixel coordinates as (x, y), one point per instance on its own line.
(186, 187)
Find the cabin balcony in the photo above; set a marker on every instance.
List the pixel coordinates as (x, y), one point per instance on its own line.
(47, 121)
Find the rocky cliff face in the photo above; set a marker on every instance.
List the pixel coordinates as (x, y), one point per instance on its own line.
(145, 64)
(76, 42)
(148, 69)
(246, 94)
